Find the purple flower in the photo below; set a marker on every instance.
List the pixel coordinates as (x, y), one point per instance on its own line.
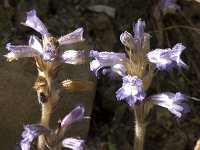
(107, 59)
(169, 5)
(167, 59)
(175, 103)
(73, 37)
(35, 48)
(73, 143)
(20, 51)
(139, 29)
(73, 57)
(140, 39)
(127, 39)
(30, 132)
(35, 23)
(131, 90)
(75, 115)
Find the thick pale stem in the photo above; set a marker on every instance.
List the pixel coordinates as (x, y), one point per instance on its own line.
(140, 127)
(46, 112)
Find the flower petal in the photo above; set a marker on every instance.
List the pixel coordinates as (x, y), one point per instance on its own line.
(35, 23)
(20, 51)
(131, 90)
(73, 143)
(139, 29)
(117, 69)
(175, 103)
(105, 59)
(127, 39)
(30, 132)
(73, 57)
(73, 37)
(35, 44)
(167, 59)
(75, 115)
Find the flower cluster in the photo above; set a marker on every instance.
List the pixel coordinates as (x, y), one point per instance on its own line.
(138, 69)
(48, 50)
(34, 130)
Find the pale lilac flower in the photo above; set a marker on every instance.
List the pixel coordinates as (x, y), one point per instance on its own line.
(107, 59)
(127, 39)
(131, 90)
(30, 132)
(20, 51)
(75, 115)
(35, 23)
(73, 37)
(175, 103)
(169, 4)
(74, 144)
(167, 59)
(140, 40)
(139, 29)
(73, 57)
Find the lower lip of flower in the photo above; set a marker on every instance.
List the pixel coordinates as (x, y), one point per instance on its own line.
(131, 90)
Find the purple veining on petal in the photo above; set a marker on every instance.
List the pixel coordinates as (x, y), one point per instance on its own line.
(175, 103)
(105, 59)
(73, 37)
(131, 90)
(73, 57)
(75, 115)
(35, 23)
(74, 144)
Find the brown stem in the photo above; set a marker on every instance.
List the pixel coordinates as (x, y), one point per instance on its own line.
(46, 112)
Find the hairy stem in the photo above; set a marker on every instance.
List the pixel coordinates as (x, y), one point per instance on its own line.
(46, 112)
(140, 127)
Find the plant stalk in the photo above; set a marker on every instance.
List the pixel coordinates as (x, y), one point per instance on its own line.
(140, 127)
(46, 112)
